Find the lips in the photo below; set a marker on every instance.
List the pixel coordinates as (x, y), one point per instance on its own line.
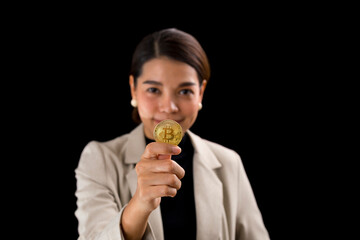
(158, 120)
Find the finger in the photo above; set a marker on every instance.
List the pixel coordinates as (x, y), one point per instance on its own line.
(153, 149)
(161, 191)
(146, 167)
(164, 156)
(157, 179)
(168, 166)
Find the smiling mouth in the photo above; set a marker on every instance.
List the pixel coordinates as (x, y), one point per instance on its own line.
(157, 120)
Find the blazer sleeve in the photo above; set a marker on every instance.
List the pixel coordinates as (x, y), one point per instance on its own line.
(97, 212)
(250, 223)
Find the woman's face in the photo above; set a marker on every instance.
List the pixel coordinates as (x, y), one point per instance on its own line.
(167, 89)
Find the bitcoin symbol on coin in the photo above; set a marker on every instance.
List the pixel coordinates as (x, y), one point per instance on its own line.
(168, 131)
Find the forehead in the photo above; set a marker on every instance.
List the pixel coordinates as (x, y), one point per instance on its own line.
(168, 71)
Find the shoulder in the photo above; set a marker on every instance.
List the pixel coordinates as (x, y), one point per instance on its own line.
(222, 153)
(113, 147)
(105, 155)
(112, 154)
(99, 156)
(219, 149)
(229, 159)
(225, 161)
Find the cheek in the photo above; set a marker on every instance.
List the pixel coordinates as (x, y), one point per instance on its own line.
(189, 108)
(190, 112)
(146, 106)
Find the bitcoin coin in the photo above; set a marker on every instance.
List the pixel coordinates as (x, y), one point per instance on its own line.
(168, 131)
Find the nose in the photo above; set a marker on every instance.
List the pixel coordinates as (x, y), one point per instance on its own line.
(168, 104)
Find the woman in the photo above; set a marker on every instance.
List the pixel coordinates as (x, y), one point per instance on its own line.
(132, 187)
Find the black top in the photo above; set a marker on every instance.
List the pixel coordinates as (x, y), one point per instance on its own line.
(178, 213)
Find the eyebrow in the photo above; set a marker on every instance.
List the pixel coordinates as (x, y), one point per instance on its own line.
(152, 82)
(187, 84)
(184, 84)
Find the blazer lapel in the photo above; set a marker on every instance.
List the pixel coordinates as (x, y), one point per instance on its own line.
(208, 190)
(134, 150)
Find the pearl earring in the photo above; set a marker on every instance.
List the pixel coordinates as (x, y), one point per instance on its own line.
(134, 103)
(200, 105)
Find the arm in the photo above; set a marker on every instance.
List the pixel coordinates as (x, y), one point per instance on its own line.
(157, 176)
(249, 224)
(98, 212)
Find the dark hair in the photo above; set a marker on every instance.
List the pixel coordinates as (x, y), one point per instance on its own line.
(174, 44)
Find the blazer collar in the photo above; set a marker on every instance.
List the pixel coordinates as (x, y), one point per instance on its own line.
(208, 190)
(207, 186)
(206, 155)
(135, 145)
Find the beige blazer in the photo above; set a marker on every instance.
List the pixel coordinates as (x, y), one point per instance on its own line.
(106, 180)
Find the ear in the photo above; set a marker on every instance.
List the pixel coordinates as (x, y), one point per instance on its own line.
(202, 89)
(132, 86)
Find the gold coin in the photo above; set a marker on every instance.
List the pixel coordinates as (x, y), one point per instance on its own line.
(168, 131)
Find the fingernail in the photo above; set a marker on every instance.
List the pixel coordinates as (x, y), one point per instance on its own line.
(176, 149)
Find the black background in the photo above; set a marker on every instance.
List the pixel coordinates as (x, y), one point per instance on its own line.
(261, 100)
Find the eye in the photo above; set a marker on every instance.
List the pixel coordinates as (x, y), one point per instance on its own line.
(186, 92)
(153, 90)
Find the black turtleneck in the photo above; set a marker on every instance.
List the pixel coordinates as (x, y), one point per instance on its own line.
(178, 213)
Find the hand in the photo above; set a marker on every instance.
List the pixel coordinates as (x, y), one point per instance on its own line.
(158, 176)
